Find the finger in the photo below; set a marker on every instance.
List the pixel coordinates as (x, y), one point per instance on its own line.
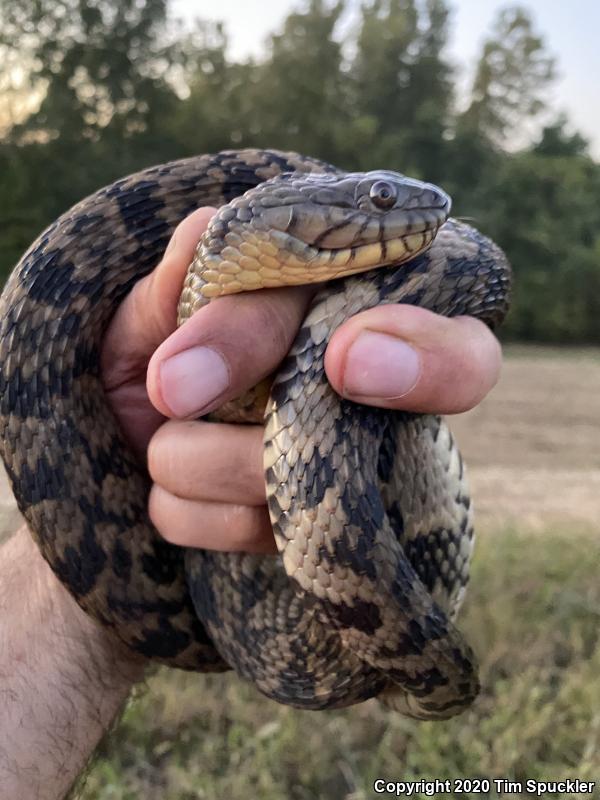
(227, 347)
(405, 357)
(198, 460)
(212, 526)
(149, 312)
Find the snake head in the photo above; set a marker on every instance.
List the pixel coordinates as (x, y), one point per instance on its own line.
(303, 228)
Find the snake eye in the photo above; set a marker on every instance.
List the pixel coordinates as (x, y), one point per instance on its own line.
(383, 194)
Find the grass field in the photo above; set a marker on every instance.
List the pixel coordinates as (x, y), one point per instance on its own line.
(532, 615)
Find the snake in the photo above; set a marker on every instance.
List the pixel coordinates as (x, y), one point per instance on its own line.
(370, 509)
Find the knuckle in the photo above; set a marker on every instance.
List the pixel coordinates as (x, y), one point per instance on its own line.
(237, 526)
(270, 323)
(272, 318)
(243, 527)
(483, 361)
(154, 456)
(160, 511)
(166, 458)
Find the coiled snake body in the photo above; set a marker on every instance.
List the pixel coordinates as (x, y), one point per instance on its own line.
(370, 509)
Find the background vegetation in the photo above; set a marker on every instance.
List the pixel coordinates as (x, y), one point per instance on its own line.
(94, 89)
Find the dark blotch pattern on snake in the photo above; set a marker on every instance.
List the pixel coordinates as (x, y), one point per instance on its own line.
(370, 509)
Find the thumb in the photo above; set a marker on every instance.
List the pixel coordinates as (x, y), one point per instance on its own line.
(148, 315)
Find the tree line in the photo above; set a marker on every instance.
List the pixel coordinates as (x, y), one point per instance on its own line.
(91, 90)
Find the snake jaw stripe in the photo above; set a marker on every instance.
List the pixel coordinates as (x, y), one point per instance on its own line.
(370, 509)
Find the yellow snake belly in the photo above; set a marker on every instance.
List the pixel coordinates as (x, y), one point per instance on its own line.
(370, 509)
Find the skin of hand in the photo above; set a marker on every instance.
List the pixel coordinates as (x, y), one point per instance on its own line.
(63, 677)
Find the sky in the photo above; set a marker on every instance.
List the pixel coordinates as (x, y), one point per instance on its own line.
(570, 28)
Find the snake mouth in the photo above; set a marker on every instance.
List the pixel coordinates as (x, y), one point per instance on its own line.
(386, 252)
(302, 263)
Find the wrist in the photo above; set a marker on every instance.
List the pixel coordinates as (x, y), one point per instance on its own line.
(64, 677)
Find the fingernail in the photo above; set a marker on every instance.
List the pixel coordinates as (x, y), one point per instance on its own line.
(379, 365)
(192, 379)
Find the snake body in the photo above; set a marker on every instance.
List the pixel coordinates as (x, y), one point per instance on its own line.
(370, 510)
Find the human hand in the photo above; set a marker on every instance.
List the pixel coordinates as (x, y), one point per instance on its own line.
(208, 478)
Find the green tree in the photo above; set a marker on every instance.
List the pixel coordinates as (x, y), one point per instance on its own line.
(218, 111)
(557, 141)
(403, 84)
(431, 95)
(512, 74)
(103, 72)
(511, 77)
(98, 63)
(543, 209)
(300, 97)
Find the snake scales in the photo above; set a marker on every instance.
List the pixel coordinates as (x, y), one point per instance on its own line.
(370, 509)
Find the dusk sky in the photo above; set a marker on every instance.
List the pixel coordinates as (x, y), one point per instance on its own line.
(571, 31)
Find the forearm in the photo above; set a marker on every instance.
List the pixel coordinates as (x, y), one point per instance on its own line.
(63, 679)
